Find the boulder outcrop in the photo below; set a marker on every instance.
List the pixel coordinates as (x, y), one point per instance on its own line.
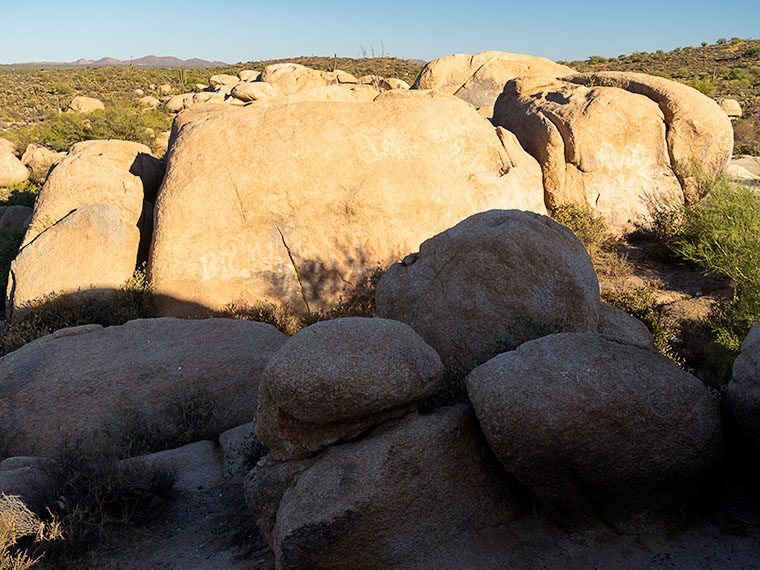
(82, 104)
(469, 285)
(411, 484)
(78, 383)
(597, 430)
(599, 147)
(478, 79)
(292, 77)
(12, 170)
(309, 195)
(744, 388)
(336, 379)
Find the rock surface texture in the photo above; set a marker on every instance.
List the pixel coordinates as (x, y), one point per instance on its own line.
(744, 388)
(76, 383)
(410, 485)
(478, 79)
(309, 195)
(596, 429)
(85, 230)
(81, 104)
(12, 170)
(336, 379)
(469, 285)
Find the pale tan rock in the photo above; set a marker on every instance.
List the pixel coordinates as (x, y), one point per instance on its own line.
(81, 104)
(393, 83)
(255, 91)
(149, 101)
(39, 159)
(598, 430)
(12, 171)
(740, 173)
(178, 102)
(340, 93)
(198, 465)
(699, 133)
(161, 142)
(78, 385)
(470, 286)
(479, 79)
(14, 217)
(374, 80)
(317, 192)
(336, 379)
(164, 89)
(292, 77)
(119, 172)
(201, 87)
(223, 90)
(750, 163)
(249, 75)
(91, 248)
(205, 97)
(139, 92)
(731, 107)
(600, 147)
(421, 481)
(223, 79)
(744, 388)
(7, 146)
(344, 77)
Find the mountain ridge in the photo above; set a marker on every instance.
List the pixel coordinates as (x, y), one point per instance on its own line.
(146, 61)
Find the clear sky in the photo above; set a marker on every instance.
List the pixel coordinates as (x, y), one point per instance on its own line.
(236, 30)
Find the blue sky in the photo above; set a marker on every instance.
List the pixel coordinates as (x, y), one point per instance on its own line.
(234, 30)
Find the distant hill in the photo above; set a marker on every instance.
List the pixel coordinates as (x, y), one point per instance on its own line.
(147, 61)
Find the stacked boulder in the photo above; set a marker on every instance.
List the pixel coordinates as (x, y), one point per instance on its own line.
(617, 142)
(85, 233)
(309, 195)
(601, 429)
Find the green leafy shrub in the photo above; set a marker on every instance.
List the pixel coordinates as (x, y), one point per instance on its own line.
(21, 194)
(132, 301)
(588, 226)
(722, 235)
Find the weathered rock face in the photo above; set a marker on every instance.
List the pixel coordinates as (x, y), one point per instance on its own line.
(249, 75)
(731, 107)
(419, 482)
(255, 91)
(39, 159)
(597, 429)
(117, 172)
(164, 89)
(309, 195)
(72, 385)
(336, 379)
(479, 79)
(393, 83)
(7, 146)
(91, 249)
(179, 102)
(617, 325)
(600, 147)
(292, 77)
(744, 388)
(699, 133)
(12, 170)
(223, 80)
(98, 189)
(81, 104)
(468, 285)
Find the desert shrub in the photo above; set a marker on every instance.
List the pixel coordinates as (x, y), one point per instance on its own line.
(123, 121)
(520, 329)
(18, 525)
(641, 302)
(94, 492)
(134, 300)
(253, 450)
(722, 235)
(187, 418)
(21, 194)
(280, 316)
(705, 85)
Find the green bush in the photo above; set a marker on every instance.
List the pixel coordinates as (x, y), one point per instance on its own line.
(722, 235)
(10, 241)
(588, 226)
(22, 194)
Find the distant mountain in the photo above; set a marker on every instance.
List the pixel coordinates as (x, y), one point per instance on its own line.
(147, 61)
